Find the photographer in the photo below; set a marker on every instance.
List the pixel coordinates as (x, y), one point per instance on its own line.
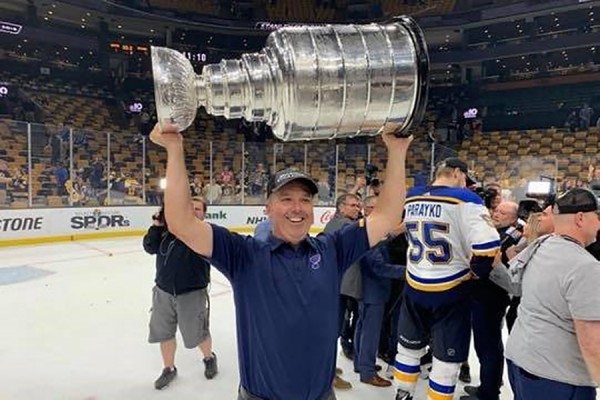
(491, 195)
(488, 309)
(180, 297)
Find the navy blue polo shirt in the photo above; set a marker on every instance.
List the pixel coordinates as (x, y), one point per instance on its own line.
(286, 303)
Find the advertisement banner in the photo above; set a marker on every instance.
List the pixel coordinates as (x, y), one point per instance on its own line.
(33, 225)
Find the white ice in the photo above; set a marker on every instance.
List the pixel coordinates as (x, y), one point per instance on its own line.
(80, 332)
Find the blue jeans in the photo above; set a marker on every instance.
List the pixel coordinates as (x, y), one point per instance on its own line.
(526, 386)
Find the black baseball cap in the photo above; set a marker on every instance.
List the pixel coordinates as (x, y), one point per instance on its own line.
(453, 162)
(577, 200)
(288, 175)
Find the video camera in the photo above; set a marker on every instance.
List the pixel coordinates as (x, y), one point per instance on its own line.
(487, 194)
(159, 216)
(371, 175)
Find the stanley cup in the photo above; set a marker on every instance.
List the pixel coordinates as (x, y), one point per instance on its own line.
(308, 82)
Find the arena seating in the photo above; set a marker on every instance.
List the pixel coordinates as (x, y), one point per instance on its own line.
(205, 7)
(299, 11)
(437, 7)
(513, 155)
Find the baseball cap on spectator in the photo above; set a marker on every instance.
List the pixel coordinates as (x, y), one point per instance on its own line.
(577, 200)
(453, 162)
(288, 175)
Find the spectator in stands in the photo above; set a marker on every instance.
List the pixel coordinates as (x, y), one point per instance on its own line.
(55, 147)
(197, 186)
(258, 180)
(20, 180)
(145, 126)
(594, 176)
(213, 191)
(4, 172)
(97, 172)
(132, 186)
(179, 297)
(62, 175)
(572, 121)
(324, 190)
(585, 116)
(227, 180)
(117, 182)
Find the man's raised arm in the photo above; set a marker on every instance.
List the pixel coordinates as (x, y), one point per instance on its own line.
(387, 214)
(179, 210)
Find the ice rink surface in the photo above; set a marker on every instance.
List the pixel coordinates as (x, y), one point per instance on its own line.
(74, 325)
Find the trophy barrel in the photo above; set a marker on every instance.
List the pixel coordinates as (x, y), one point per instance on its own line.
(347, 80)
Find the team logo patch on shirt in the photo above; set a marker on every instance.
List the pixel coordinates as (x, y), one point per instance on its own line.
(315, 261)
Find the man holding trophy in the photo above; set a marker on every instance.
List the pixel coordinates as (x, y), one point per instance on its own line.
(308, 83)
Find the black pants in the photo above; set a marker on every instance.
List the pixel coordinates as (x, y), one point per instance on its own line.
(487, 312)
(348, 317)
(388, 339)
(511, 314)
(243, 394)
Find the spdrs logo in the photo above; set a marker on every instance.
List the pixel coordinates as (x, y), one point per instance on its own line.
(99, 219)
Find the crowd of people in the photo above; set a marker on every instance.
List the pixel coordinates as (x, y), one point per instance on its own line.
(406, 277)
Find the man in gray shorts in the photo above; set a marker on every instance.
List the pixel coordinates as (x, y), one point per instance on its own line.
(553, 352)
(179, 298)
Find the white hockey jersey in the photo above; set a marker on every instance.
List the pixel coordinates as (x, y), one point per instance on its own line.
(446, 226)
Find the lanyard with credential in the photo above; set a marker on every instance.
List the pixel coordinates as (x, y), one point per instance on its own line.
(522, 265)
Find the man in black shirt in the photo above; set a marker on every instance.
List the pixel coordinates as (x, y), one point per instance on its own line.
(180, 297)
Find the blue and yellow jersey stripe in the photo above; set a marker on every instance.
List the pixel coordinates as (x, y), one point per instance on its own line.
(489, 249)
(462, 195)
(407, 374)
(437, 284)
(437, 391)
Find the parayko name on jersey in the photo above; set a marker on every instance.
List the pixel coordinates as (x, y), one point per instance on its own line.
(424, 210)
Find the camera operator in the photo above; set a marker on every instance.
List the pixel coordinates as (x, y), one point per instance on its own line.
(491, 195)
(180, 297)
(488, 308)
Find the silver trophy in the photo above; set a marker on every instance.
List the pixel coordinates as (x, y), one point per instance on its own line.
(308, 82)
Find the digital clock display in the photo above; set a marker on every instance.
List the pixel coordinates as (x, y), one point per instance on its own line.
(195, 56)
(129, 48)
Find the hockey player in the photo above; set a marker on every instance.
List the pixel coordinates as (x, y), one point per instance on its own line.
(452, 240)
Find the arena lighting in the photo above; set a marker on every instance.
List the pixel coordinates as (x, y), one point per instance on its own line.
(162, 183)
(10, 28)
(538, 189)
